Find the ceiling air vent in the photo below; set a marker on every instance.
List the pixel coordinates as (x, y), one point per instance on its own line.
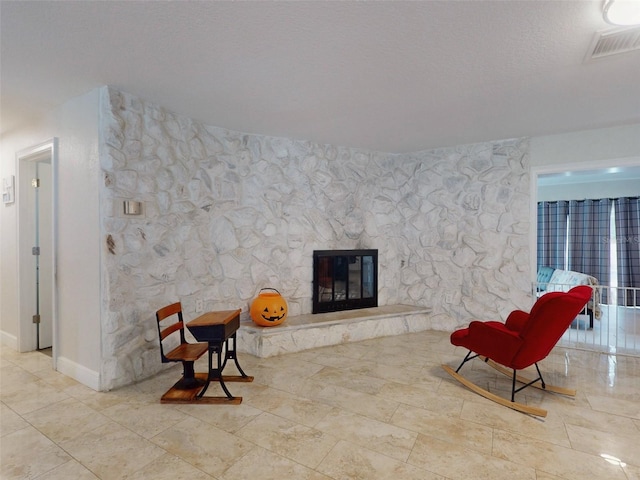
(612, 42)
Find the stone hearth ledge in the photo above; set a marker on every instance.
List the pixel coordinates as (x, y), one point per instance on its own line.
(304, 332)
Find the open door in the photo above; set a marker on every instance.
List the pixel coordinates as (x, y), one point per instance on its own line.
(36, 246)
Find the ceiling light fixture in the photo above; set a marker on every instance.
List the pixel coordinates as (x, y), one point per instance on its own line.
(622, 12)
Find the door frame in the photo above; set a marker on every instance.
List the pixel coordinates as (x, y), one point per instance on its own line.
(26, 333)
(537, 171)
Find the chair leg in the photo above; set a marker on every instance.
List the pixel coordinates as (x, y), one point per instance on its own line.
(528, 384)
(543, 386)
(189, 379)
(466, 359)
(540, 377)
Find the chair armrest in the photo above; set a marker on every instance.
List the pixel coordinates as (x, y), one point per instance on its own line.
(516, 320)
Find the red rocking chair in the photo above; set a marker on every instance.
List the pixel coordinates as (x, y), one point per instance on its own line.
(523, 340)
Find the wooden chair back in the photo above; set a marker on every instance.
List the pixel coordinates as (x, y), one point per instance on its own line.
(165, 331)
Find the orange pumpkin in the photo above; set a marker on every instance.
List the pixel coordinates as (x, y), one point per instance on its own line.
(269, 308)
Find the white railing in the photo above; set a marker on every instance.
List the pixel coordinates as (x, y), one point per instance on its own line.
(609, 323)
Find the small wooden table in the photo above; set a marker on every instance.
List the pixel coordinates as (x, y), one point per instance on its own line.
(219, 329)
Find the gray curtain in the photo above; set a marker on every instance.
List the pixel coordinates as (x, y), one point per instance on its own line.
(552, 233)
(589, 234)
(628, 246)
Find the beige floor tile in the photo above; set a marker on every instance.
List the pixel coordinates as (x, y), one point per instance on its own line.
(378, 436)
(396, 355)
(302, 444)
(347, 461)
(97, 400)
(561, 461)
(466, 434)
(550, 429)
(620, 385)
(347, 379)
(168, 467)
(617, 406)
(229, 418)
(353, 401)
(32, 396)
(282, 364)
(35, 361)
(56, 379)
(10, 421)
(633, 472)
(349, 350)
(27, 453)
(144, 419)
(66, 420)
(13, 378)
(423, 397)
(287, 405)
(546, 476)
(67, 471)
(111, 451)
(262, 464)
(456, 462)
(602, 421)
(393, 373)
(204, 446)
(625, 447)
(284, 377)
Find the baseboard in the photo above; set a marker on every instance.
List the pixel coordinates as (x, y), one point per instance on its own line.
(78, 372)
(9, 340)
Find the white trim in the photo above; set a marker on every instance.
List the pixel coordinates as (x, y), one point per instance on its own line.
(78, 372)
(8, 340)
(41, 151)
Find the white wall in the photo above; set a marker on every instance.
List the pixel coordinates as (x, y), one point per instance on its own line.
(76, 124)
(586, 149)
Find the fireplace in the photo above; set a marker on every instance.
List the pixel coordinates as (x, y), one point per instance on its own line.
(344, 280)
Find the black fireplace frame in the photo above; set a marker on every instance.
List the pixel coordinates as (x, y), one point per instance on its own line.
(334, 304)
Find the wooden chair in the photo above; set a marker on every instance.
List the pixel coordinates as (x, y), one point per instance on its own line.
(185, 352)
(522, 341)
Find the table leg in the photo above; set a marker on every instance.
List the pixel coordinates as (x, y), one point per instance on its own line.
(216, 373)
(231, 354)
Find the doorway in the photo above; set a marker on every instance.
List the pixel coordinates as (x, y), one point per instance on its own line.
(618, 328)
(37, 247)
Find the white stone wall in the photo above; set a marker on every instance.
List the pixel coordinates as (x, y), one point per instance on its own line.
(228, 213)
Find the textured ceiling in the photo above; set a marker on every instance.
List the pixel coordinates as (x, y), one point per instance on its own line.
(388, 76)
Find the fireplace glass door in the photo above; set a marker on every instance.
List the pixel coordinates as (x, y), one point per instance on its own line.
(344, 280)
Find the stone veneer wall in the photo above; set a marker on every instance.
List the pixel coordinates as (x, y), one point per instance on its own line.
(228, 213)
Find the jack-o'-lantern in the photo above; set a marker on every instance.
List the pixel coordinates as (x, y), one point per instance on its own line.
(269, 308)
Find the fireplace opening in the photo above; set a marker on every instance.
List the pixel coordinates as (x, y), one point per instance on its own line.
(344, 280)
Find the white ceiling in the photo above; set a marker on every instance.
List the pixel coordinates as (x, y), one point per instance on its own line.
(387, 76)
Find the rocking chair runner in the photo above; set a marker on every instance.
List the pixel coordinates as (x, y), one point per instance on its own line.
(523, 340)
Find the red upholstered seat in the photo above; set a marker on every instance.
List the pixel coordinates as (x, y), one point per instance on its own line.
(525, 338)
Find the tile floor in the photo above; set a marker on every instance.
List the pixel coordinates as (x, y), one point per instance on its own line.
(377, 409)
